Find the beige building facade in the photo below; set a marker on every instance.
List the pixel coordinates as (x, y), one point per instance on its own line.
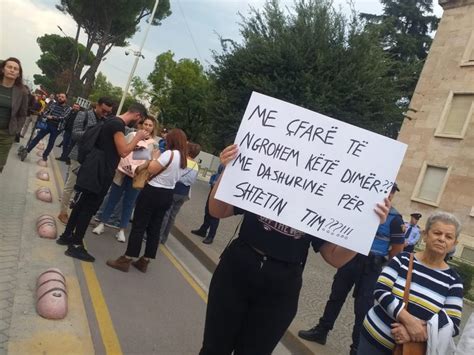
(438, 170)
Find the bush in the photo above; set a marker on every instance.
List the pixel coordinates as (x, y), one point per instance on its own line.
(466, 272)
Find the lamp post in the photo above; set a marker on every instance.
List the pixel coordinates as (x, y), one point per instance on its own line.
(77, 58)
(137, 55)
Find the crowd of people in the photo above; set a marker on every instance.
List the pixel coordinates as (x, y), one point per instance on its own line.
(125, 167)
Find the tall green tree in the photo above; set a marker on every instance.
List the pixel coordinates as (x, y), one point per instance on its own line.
(108, 23)
(103, 87)
(312, 56)
(405, 29)
(56, 60)
(181, 93)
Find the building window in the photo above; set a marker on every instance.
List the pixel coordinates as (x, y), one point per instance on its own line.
(431, 183)
(468, 56)
(467, 254)
(456, 115)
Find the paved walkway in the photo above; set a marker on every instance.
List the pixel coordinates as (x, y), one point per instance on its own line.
(23, 255)
(12, 207)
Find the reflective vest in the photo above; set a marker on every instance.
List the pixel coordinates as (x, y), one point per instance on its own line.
(381, 243)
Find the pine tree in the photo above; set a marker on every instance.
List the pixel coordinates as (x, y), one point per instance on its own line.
(405, 30)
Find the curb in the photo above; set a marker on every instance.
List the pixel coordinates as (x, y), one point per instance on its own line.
(209, 259)
(28, 332)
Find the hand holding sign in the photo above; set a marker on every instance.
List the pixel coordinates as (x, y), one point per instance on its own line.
(310, 172)
(229, 154)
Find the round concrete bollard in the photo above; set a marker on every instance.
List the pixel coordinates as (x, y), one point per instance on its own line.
(42, 163)
(39, 153)
(42, 175)
(46, 226)
(40, 146)
(51, 294)
(44, 194)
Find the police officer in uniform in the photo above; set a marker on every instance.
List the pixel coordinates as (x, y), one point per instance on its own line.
(413, 233)
(362, 273)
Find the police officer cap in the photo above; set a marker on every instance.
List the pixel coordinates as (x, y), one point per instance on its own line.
(416, 215)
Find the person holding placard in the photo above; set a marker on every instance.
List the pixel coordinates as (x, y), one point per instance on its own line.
(253, 296)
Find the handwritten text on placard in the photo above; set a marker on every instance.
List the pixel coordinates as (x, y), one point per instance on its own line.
(310, 172)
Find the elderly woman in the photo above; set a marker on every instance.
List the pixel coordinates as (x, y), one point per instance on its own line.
(436, 291)
(13, 105)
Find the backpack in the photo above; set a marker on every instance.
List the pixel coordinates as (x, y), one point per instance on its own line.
(88, 140)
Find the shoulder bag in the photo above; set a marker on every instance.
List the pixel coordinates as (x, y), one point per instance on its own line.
(410, 348)
(142, 176)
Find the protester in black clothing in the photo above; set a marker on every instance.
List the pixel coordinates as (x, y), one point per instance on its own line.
(253, 296)
(96, 174)
(210, 223)
(54, 115)
(68, 125)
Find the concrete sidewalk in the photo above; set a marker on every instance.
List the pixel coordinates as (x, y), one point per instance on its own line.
(23, 256)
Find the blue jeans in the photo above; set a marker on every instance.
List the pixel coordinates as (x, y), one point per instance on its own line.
(170, 216)
(129, 196)
(114, 219)
(53, 134)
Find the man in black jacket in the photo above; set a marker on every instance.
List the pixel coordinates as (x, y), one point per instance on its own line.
(99, 164)
(83, 121)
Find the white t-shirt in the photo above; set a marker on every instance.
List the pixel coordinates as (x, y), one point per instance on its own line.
(168, 178)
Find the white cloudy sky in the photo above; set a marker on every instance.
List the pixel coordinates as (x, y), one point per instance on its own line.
(190, 32)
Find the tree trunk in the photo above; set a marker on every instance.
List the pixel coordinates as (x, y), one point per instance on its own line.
(89, 76)
(76, 85)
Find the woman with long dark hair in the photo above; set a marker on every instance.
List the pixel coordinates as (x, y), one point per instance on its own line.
(153, 202)
(13, 105)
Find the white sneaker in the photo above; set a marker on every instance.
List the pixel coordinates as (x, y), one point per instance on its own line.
(120, 236)
(99, 229)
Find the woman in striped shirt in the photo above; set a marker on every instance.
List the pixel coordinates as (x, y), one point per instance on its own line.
(435, 289)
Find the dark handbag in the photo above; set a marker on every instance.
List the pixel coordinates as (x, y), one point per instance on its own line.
(410, 348)
(142, 176)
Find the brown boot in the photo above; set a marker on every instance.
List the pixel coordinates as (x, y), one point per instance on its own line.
(63, 217)
(122, 263)
(141, 264)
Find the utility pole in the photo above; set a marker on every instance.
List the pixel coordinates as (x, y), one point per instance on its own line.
(137, 55)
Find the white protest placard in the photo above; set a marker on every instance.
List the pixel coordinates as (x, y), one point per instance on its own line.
(311, 172)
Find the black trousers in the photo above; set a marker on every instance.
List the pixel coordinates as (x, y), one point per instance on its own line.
(362, 272)
(86, 205)
(210, 222)
(252, 301)
(151, 206)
